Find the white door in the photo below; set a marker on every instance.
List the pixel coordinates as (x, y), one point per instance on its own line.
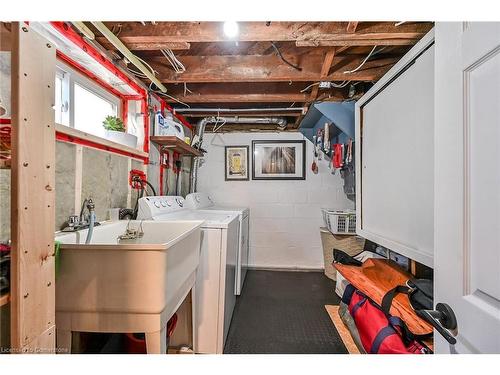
(467, 183)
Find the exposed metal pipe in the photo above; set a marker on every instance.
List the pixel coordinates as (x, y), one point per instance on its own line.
(238, 110)
(200, 131)
(280, 121)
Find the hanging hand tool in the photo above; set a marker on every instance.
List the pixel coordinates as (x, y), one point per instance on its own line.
(326, 141)
(349, 151)
(319, 143)
(314, 165)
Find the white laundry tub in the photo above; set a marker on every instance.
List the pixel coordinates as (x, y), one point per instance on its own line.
(125, 286)
(141, 276)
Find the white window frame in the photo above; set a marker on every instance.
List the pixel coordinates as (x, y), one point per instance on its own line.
(65, 99)
(72, 77)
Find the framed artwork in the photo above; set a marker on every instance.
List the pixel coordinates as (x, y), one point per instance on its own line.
(279, 160)
(236, 163)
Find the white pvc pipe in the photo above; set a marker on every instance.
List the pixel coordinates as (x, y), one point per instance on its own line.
(84, 29)
(129, 55)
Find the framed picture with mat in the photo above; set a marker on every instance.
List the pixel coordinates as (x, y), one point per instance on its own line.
(279, 160)
(236, 163)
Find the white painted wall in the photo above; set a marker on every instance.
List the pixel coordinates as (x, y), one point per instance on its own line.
(285, 216)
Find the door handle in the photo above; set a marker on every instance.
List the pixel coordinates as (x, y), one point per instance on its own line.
(443, 319)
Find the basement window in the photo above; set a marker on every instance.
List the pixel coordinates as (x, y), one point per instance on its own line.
(82, 104)
(90, 109)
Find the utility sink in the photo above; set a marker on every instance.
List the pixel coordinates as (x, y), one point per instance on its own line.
(111, 285)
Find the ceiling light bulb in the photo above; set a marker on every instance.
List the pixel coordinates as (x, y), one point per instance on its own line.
(231, 29)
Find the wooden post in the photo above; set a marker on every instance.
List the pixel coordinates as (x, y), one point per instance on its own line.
(32, 199)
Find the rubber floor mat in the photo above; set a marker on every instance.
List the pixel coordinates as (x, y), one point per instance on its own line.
(284, 313)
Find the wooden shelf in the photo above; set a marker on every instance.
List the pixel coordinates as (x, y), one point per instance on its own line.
(5, 164)
(4, 299)
(98, 141)
(173, 143)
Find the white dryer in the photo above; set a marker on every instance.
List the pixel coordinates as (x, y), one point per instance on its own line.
(202, 201)
(214, 296)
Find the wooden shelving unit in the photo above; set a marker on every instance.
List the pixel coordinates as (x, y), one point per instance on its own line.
(172, 143)
(4, 299)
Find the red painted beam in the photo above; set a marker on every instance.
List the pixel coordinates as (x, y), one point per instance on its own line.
(165, 105)
(87, 73)
(145, 111)
(125, 112)
(180, 117)
(65, 29)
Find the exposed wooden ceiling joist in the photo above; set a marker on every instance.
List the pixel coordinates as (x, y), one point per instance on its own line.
(243, 113)
(243, 98)
(141, 43)
(246, 92)
(268, 31)
(325, 70)
(268, 68)
(351, 27)
(249, 73)
(392, 39)
(144, 43)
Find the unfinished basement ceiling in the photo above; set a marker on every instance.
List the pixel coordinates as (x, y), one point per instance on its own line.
(249, 73)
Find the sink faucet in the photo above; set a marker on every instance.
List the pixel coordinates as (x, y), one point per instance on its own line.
(89, 204)
(83, 221)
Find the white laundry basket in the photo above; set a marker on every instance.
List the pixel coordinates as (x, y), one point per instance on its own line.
(340, 221)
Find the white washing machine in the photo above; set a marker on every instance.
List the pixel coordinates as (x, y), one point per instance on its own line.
(202, 201)
(214, 296)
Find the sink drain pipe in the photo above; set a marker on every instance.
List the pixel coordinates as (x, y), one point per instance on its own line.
(200, 131)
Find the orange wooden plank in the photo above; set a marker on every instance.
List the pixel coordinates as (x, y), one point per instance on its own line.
(377, 276)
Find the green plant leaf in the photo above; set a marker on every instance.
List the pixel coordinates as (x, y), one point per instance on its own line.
(113, 123)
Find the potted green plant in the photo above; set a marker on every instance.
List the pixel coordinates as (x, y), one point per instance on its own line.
(116, 132)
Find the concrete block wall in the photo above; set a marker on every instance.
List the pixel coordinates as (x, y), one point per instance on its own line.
(65, 182)
(83, 172)
(285, 216)
(105, 180)
(103, 176)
